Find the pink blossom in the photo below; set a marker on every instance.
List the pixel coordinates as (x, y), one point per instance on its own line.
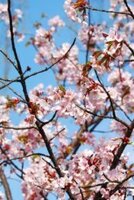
(71, 11)
(3, 12)
(56, 21)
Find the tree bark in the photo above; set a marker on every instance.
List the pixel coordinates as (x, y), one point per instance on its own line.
(5, 184)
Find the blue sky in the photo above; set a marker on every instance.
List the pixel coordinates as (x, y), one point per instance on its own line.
(32, 13)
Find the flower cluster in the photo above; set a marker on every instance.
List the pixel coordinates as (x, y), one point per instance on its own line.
(70, 139)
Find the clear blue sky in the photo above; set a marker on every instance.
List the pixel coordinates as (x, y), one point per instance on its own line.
(32, 13)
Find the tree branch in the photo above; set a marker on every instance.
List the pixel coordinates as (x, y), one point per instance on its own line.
(53, 159)
(109, 11)
(129, 9)
(5, 184)
(19, 68)
(56, 62)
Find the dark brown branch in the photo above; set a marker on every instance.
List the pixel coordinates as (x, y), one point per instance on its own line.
(116, 160)
(8, 80)
(131, 60)
(49, 67)
(129, 9)
(17, 128)
(109, 11)
(93, 113)
(13, 91)
(122, 110)
(92, 186)
(7, 84)
(38, 124)
(129, 47)
(9, 59)
(122, 147)
(111, 102)
(25, 156)
(120, 184)
(89, 37)
(12, 163)
(19, 68)
(109, 180)
(75, 144)
(5, 184)
(53, 159)
(57, 134)
(46, 122)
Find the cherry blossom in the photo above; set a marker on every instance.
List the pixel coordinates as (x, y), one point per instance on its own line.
(56, 21)
(1, 196)
(3, 12)
(71, 138)
(75, 11)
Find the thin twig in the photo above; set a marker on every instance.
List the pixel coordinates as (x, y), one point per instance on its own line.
(52, 156)
(9, 59)
(17, 128)
(129, 9)
(129, 47)
(75, 144)
(95, 185)
(94, 114)
(13, 91)
(122, 147)
(49, 67)
(19, 68)
(25, 156)
(47, 122)
(111, 102)
(120, 184)
(108, 11)
(12, 163)
(7, 84)
(5, 184)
